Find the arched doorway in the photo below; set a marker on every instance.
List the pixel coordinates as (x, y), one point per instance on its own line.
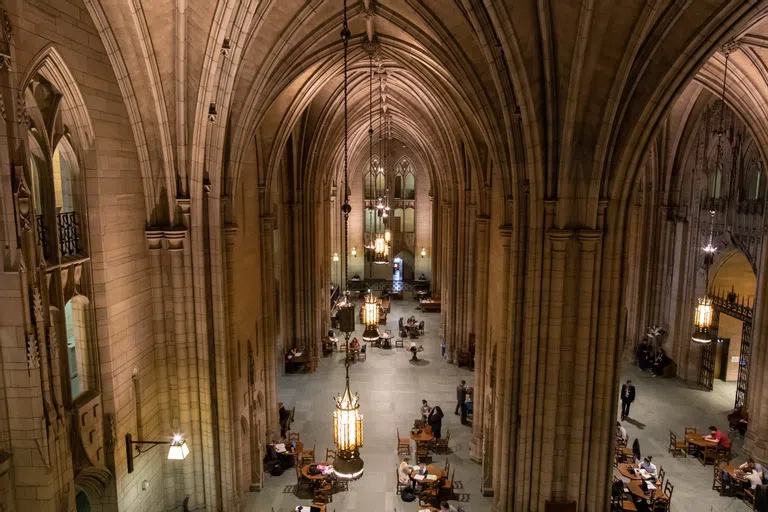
(82, 502)
(407, 261)
(726, 361)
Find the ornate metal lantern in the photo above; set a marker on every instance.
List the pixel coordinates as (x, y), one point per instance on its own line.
(371, 318)
(348, 435)
(703, 318)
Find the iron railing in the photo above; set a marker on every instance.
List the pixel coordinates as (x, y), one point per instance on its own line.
(69, 239)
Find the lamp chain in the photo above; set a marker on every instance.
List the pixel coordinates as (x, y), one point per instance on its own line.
(345, 38)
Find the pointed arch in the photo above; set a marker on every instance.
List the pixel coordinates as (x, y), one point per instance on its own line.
(50, 65)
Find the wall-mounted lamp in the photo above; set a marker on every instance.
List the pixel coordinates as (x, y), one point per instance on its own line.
(335, 257)
(423, 252)
(177, 450)
(354, 252)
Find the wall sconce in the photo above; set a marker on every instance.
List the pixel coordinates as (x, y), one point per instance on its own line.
(354, 252)
(177, 449)
(423, 252)
(212, 115)
(335, 257)
(226, 46)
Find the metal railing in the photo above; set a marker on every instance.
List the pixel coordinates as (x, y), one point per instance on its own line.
(69, 239)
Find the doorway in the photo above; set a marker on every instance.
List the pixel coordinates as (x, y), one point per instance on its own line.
(397, 270)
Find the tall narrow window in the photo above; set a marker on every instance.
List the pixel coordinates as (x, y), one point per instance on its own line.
(410, 224)
(75, 317)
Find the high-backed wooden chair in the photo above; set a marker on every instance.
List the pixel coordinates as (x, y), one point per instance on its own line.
(422, 454)
(441, 445)
(690, 448)
(447, 491)
(403, 444)
(708, 455)
(301, 481)
(294, 436)
(676, 448)
(399, 342)
(330, 455)
(307, 456)
(363, 354)
(717, 478)
(660, 478)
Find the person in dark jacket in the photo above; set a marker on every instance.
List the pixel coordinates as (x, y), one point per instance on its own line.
(461, 396)
(627, 397)
(435, 420)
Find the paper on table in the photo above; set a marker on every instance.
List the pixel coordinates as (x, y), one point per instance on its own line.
(280, 447)
(416, 468)
(431, 477)
(423, 510)
(418, 478)
(651, 487)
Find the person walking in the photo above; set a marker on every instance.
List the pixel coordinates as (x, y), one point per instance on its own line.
(627, 397)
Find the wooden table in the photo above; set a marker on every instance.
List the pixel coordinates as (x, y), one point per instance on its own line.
(430, 508)
(699, 441)
(635, 487)
(423, 437)
(624, 471)
(314, 478)
(432, 469)
(386, 340)
(432, 304)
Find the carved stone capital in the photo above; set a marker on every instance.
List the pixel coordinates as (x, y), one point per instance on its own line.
(155, 239)
(371, 47)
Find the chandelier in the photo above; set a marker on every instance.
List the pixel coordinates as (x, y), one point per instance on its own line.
(704, 314)
(347, 420)
(371, 318)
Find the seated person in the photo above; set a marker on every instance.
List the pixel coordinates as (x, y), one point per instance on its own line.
(660, 362)
(404, 472)
(292, 353)
(446, 507)
(355, 343)
(738, 420)
(718, 437)
(622, 437)
(754, 467)
(649, 466)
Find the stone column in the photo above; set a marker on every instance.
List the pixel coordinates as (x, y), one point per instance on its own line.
(176, 250)
(196, 433)
(267, 323)
(757, 405)
(155, 240)
(480, 299)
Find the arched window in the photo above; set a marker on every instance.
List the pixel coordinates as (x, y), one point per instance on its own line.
(381, 184)
(715, 183)
(369, 184)
(397, 220)
(410, 224)
(399, 186)
(78, 347)
(370, 220)
(64, 172)
(410, 185)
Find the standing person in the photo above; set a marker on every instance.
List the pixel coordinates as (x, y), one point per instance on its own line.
(425, 408)
(435, 420)
(627, 397)
(461, 397)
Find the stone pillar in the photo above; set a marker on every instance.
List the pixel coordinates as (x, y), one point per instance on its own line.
(176, 250)
(757, 406)
(480, 299)
(195, 440)
(268, 325)
(155, 240)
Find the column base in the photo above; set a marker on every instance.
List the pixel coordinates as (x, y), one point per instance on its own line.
(476, 449)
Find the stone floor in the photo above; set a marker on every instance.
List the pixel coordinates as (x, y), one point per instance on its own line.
(667, 404)
(391, 389)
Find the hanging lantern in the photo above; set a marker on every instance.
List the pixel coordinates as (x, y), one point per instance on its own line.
(703, 318)
(348, 436)
(354, 252)
(387, 235)
(371, 318)
(381, 249)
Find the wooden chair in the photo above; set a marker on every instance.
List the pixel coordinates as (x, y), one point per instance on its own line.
(293, 436)
(627, 455)
(428, 496)
(399, 342)
(676, 448)
(690, 448)
(660, 478)
(403, 444)
(689, 430)
(717, 479)
(707, 455)
(422, 454)
(668, 488)
(418, 423)
(342, 346)
(619, 503)
(421, 327)
(330, 455)
(447, 490)
(441, 445)
(324, 493)
(447, 468)
(749, 497)
(301, 481)
(723, 454)
(363, 355)
(307, 456)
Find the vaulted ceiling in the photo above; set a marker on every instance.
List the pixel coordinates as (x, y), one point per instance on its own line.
(563, 96)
